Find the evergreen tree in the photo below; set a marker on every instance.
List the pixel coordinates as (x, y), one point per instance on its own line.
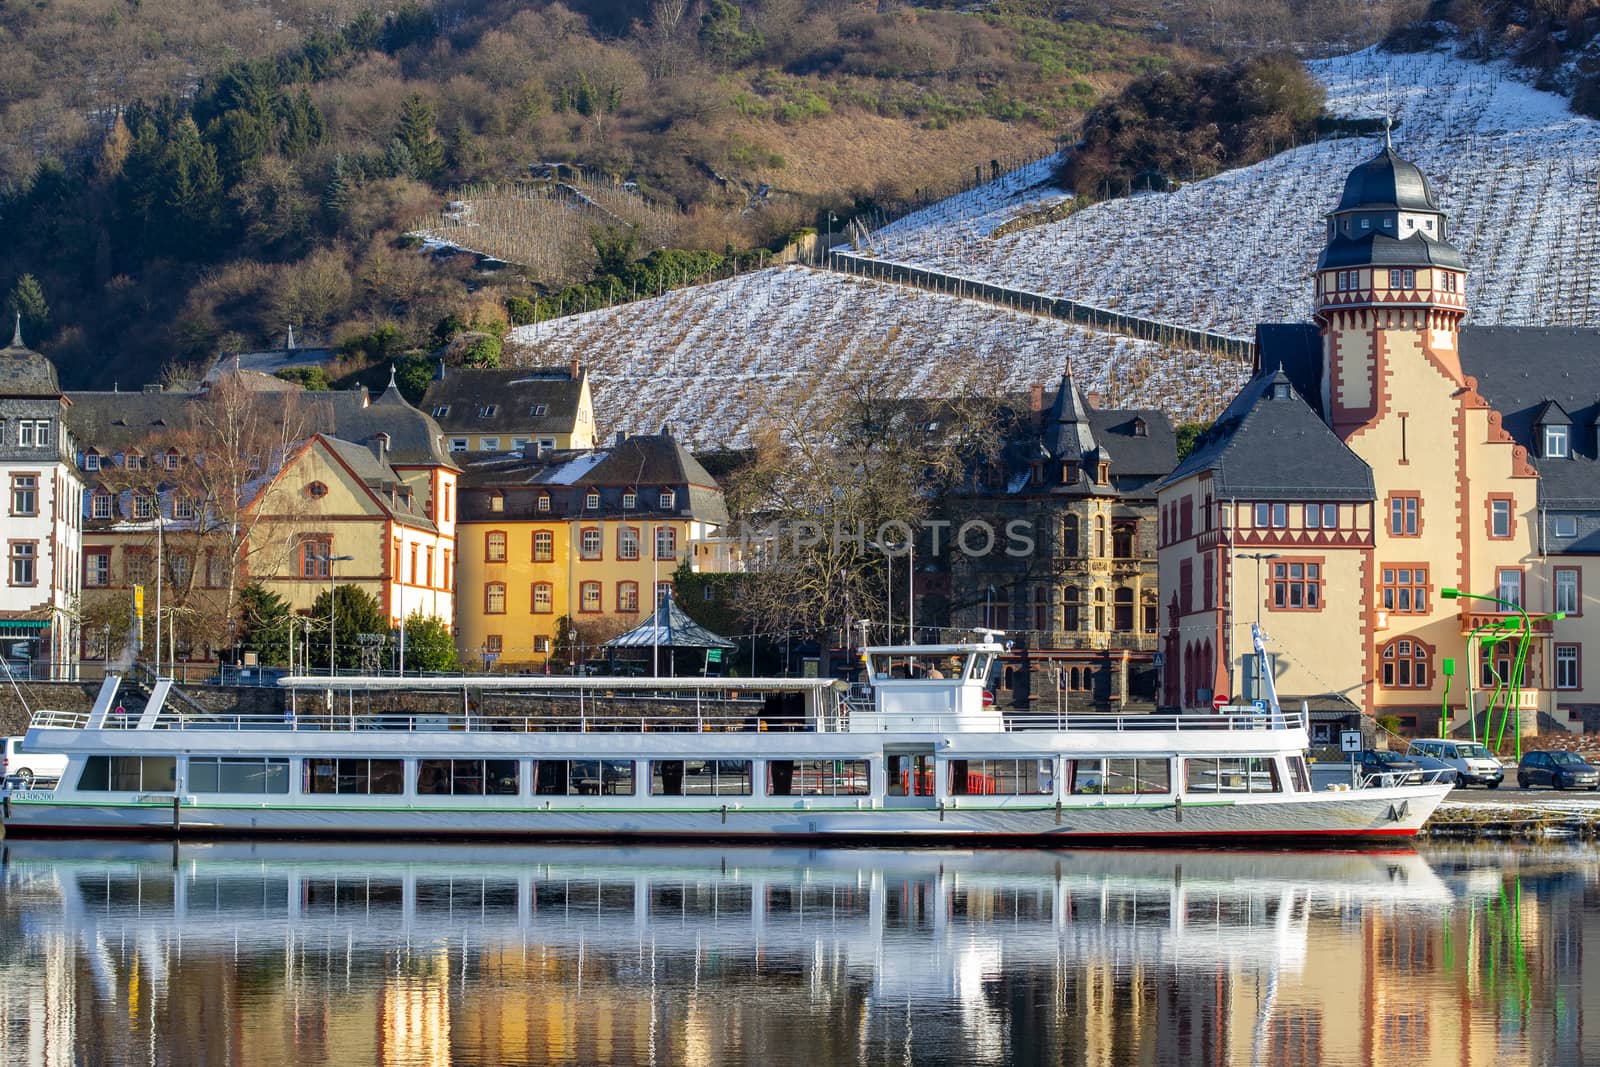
(139, 191)
(429, 644)
(27, 299)
(264, 624)
(723, 38)
(356, 612)
(303, 128)
(364, 32)
(340, 188)
(192, 190)
(417, 134)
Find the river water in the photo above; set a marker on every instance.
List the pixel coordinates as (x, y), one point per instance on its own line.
(307, 954)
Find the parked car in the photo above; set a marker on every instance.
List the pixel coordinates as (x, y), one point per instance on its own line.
(1558, 770)
(1388, 768)
(1474, 764)
(27, 768)
(1434, 769)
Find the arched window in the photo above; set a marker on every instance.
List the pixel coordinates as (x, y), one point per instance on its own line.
(1405, 664)
(1069, 608)
(1069, 536)
(1123, 616)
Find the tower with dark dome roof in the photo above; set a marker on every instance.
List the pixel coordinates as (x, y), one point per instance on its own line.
(1388, 278)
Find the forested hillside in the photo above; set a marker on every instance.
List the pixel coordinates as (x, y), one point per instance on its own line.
(187, 178)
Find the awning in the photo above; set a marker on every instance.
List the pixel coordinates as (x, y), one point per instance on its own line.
(23, 627)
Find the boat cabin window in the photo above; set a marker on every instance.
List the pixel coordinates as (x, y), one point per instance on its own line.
(583, 778)
(700, 778)
(818, 778)
(129, 774)
(238, 774)
(978, 667)
(1002, 777)
(467, 777)
(934, 668)
(354, 777)
(1231, 774)
(1297, 771)
(1097, 777)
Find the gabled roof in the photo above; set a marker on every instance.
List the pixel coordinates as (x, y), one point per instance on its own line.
(110, 423)
(465, 395)
(1270, 445)
(394, 498)
(414, 438)
(1551, 413)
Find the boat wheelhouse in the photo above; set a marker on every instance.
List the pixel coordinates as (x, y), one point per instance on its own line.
(920, 754)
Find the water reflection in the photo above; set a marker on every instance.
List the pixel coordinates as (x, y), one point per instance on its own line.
(314, 954)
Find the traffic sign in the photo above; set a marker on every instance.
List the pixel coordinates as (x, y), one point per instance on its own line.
(1219, 702)
(713, 655)
(1158, 661)
(1350, 740)
(138, 601)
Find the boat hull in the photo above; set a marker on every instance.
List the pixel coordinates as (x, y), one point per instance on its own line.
(1327, 817)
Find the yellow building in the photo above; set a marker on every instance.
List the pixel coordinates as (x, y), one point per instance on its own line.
(590, 538)
(1381, 455)
(521, 409)
(322, 475)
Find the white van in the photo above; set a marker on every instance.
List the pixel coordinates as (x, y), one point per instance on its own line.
(1474, 764)
(30, 767)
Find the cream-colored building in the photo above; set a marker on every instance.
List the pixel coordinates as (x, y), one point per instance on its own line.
(1381, 455)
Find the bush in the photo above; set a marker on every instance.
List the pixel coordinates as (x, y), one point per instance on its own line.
(521, 310)
(1190, 122)
(311, 379)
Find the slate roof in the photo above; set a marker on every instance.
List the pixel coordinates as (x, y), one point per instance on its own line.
(513, 393)
(380, 476)
(414, 438)
(1521, 371)
(1296, 347)
(24, 372)
(1380, 250)
(1267, 447)
(643, 462)
(1387, 182)
(112, 423)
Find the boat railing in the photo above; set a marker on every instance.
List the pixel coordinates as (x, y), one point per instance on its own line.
(841, 717)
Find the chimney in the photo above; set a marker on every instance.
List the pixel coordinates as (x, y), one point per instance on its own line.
(622, 436)
(1092, 399)
(438, 373)
(1036, 398)
(575, 369)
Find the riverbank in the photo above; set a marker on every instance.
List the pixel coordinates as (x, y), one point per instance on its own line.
(1524, 818)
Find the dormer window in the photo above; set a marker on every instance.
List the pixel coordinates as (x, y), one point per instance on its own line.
(668, 499)
(488, 410)
(1366, 224)
(91, 461)
(1140, 428)
(1556, 440)
(538, 409)
(1280, 390)
(591, 500)
(630, 500)
(497, 502)
(441, 410)
(544, 502)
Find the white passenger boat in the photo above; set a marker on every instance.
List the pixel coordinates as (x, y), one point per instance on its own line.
(921, 755)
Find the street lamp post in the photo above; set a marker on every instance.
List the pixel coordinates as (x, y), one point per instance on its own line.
(1260, 596)
(332, 559)
(1522, 652)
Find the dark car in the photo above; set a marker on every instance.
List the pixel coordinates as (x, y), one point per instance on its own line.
(1558, 770)
(1434, 770)
(1387, 768)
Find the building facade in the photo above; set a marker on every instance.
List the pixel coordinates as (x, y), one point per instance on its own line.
(1080, 607)
(44, 532)
(521, 409)
(562, 552)
(1381, 455)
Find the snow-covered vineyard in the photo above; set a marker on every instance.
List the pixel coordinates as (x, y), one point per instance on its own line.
(715, 360)
(1515, 169)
